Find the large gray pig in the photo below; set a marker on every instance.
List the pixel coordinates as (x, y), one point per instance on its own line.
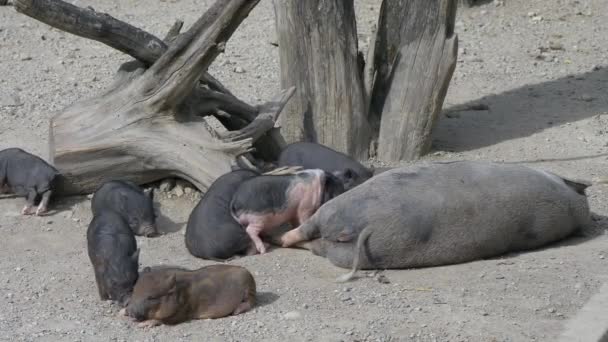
(441, 214)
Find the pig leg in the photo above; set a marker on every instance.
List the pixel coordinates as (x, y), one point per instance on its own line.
(252, 249)
(31, 198)
(4, 188)
(242, 307)
(307, 231)
(254, 233)
(44, 203)
(149, 323)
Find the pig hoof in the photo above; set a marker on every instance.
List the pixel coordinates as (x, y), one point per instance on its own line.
(27, 210)
(40, 212)
(148, 324)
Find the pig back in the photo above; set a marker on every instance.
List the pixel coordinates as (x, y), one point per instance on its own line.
(444, 213)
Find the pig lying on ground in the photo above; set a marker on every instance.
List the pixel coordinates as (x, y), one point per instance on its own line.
(131, 202)
(28, 176)
(113, 252)
(212, 232)
(316, 156)
(264, 203)
(175, 295)
(443, 213)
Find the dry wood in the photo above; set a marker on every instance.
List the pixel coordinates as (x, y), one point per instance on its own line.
(133, 41)
(414, 61)
(150, 126)
(318, 54)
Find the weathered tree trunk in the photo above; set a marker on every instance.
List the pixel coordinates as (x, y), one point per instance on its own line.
(415, 57)
(391, 99)
(151, 124)
(318, 54)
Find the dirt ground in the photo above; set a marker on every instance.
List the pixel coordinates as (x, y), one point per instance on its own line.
(540, 67)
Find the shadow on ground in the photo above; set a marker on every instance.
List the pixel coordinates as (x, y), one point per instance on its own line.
(265, 298)
(521, 112)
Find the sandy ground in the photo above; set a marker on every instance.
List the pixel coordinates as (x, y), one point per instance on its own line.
(540, 67)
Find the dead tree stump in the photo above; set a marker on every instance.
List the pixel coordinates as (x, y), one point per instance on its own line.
(151, 123)
(318, 53)
(388, 102)
(415, 58)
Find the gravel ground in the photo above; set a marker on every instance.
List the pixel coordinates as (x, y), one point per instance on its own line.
(530, 87)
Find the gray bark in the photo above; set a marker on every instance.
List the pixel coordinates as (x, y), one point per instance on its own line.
(415, 57)
(318, 54)
(149, 125)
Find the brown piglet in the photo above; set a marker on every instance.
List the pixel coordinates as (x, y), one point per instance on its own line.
(172, 295)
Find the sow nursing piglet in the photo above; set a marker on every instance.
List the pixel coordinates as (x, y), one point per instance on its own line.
(266, 202)
(441, 214)
(28, 176)
(174, 295)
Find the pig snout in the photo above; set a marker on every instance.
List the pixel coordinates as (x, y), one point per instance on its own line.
(124, 299)
(136, 312)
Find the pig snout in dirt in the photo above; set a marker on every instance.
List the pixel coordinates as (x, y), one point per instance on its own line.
(29, 176)
(316, 156)
(176, 295)
(264, 203)
(443, 213)
(134, 204)
(113, 252)
(212, 232)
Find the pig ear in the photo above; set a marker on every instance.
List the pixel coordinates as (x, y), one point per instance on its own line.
(122, 202)
(172, 283)
(349, 174)
(135, 256)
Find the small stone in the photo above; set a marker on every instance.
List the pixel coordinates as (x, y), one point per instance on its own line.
(531, 14)
(551, 310)
(10, 100)
(304, 306)
(484, 313)
(167, 185)
(556, 45)
(292, 315)
(596, 67)
(239, 70)
(537, 18)
(178, 190)
(602, 257)
(188, 190)
(26, 58)
(382, 279)
(586, 98)
(18, 269)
